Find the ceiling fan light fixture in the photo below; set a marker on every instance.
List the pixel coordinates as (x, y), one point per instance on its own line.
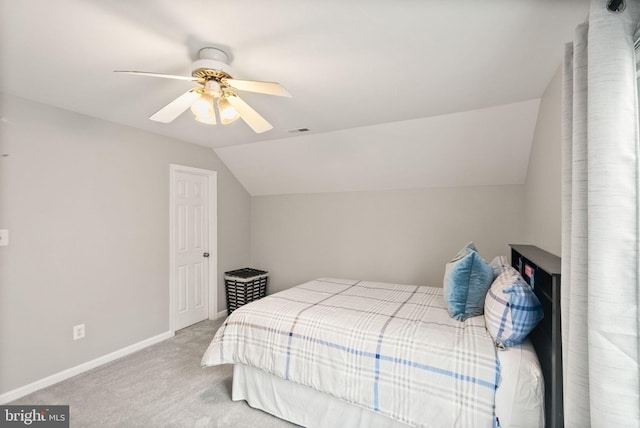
(209, 120)
(212, 71)
(202, 108)
(228, 114)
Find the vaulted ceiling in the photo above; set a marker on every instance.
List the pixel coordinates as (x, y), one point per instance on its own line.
(383, 86)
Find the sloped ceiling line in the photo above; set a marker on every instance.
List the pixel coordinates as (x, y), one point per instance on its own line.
(488, 146)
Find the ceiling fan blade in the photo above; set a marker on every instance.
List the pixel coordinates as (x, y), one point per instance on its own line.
(271, 88)
(164, 76)
(176, 107)
(249, 115)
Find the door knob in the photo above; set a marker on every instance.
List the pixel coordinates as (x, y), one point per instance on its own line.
(205, 255)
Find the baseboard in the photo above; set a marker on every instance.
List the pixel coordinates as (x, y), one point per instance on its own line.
(222, 314)
(7, 397)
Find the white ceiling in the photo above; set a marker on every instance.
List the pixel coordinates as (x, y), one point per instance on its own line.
(400, 155)
(351, 66)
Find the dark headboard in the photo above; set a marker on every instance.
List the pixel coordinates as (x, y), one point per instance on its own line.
(542, 270)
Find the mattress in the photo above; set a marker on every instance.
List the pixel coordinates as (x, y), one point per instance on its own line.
(389, 349)
(520, 393)
(519, 399)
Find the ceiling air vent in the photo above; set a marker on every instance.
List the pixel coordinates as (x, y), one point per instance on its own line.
(296, 131)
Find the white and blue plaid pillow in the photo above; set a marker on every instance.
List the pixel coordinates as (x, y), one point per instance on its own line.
(499, 264)
(511, 309)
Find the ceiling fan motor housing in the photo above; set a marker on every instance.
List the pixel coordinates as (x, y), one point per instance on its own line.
(211, 65)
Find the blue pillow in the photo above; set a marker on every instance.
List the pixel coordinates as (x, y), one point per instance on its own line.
(466, 280)
(511, 309)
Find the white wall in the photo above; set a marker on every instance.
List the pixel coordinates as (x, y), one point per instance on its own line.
(404, 236)
(87, 205)
(543, 202)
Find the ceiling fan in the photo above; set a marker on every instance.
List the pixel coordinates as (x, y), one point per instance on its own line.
(212, 72)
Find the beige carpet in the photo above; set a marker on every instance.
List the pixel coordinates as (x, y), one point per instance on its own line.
(160, 386)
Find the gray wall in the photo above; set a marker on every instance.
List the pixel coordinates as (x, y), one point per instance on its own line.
(87, 205)
(86, 202)
(408, 236)
(543, 202)
(404, 236)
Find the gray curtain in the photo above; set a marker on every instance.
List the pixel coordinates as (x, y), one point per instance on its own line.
(600, 222)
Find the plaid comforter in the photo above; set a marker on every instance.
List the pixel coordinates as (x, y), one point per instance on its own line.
(389, 348)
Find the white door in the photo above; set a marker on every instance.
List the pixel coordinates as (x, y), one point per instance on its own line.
(191, 252)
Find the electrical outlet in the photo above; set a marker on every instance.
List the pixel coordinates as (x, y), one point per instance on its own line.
(78, 332)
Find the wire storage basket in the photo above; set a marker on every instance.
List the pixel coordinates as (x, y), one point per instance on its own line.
(244, 285)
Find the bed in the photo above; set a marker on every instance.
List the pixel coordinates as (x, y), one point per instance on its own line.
(336, 352)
